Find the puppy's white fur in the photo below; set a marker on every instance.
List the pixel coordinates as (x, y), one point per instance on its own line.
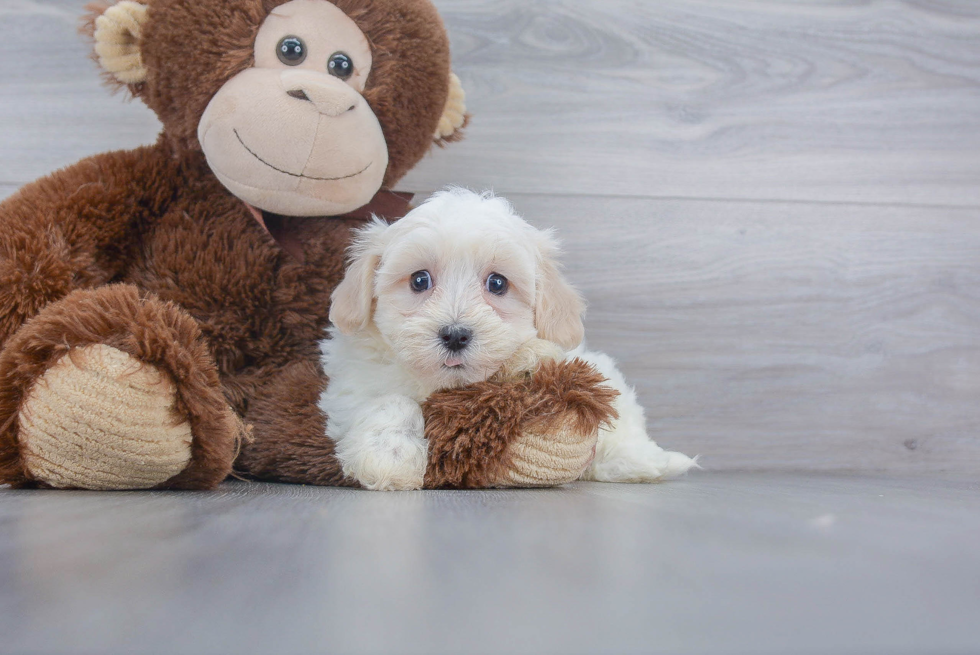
(386, 356)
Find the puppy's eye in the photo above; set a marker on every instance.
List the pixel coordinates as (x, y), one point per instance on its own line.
(421, 281)
(340, 65)
(497, 284)
(291, 51)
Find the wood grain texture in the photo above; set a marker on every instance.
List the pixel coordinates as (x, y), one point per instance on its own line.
(748, 563)
(860, 101)
(785, 335)
(777, 99)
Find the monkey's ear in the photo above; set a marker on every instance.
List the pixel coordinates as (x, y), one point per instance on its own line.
(558, 306)
(352, 300)
(117, 30)
(454, 116)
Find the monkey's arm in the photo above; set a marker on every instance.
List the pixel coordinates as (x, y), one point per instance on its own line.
(76, 228)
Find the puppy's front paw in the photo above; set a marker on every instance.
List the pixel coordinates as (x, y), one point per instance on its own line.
(529, 357)
(385, 449)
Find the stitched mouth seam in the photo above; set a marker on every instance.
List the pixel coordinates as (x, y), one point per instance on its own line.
(307, 177)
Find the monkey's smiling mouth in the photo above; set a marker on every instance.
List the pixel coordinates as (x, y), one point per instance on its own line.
(306, 177)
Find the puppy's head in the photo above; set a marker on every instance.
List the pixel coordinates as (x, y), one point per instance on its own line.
(456, 286)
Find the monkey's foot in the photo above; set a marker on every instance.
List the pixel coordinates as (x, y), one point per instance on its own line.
(110, 389)
(561, 448)
(101, 419)
(548, 459)
(533, 430)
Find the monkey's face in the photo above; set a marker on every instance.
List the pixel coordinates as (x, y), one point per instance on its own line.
(293, 134)
(301, 107)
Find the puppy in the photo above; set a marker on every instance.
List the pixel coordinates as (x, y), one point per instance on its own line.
(459, 289)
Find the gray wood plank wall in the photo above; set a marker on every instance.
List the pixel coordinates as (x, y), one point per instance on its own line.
(773, 206)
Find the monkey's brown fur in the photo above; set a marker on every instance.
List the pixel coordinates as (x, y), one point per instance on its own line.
(147, 252)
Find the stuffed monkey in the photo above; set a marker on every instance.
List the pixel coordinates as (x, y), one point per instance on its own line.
(160, 308)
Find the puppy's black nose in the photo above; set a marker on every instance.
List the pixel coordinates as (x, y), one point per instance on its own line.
(455, 338)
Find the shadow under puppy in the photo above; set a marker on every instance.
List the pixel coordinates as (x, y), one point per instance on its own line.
(458, 291)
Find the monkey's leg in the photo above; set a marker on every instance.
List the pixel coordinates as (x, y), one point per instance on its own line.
(535, 430)
(108, 389)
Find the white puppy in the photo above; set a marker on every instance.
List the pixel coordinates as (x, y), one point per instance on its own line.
(444, 298)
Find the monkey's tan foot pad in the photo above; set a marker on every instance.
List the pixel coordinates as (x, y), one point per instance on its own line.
(101, 419)
(550, 459)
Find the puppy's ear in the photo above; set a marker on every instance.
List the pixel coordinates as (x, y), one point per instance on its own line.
(558, 306)
(351, 301)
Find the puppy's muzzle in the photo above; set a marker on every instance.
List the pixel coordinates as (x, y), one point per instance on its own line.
(455, 337)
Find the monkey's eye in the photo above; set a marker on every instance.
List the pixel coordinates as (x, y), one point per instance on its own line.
(421, 281)
(340, 65)
(497, 284)
(291, 51)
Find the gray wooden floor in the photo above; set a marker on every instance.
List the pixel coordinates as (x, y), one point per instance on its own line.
(721, 563)
(774, 209)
